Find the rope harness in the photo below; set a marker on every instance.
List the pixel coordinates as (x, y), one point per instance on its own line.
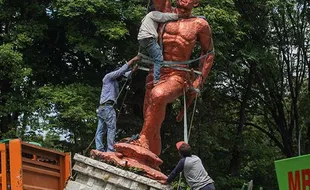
(173, 64)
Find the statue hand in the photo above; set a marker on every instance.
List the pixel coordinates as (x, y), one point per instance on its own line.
(191, 94)
(198, 82)
(195, 89)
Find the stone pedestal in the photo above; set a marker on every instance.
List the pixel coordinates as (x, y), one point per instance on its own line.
(95, 175)
(133, 156)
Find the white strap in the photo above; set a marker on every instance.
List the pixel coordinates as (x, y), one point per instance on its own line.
(185, 118)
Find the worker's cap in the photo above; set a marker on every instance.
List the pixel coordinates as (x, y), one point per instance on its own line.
(127, 74)
(179, 144)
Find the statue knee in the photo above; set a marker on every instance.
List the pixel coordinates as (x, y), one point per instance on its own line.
(158, 95)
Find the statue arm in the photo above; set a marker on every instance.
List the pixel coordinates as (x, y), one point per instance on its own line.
(162, 5)
(206, 43)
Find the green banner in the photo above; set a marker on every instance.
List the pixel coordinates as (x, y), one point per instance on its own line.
(294, 173)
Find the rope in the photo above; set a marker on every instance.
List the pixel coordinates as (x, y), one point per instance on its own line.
(123, 102)
(85, 151)
(186, 137)
(172, 64)
(173, 67)
(148, 5)
(148, 59)
(179, 183)
(192, 119)
(185, 131)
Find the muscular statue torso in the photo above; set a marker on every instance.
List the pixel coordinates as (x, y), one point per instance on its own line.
(180, 38)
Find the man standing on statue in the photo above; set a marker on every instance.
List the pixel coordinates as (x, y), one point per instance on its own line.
(106, 112)
(179, 38)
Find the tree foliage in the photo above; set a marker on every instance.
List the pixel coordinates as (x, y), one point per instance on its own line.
(254, 108)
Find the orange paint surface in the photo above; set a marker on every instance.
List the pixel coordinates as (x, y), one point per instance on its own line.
(179, 39)
(33, 167)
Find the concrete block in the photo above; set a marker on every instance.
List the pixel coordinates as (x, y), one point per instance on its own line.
(72, 185)
(90, 182)
(93, 174)
(134, 185)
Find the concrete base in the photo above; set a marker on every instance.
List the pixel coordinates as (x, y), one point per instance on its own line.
(92, 174)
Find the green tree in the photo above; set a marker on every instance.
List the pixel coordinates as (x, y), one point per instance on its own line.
(13, 80)
(54, 54)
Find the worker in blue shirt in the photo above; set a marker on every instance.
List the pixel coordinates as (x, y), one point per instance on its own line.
(106, 112)
(195, 174)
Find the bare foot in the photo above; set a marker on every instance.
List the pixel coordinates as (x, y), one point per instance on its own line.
(142, 142)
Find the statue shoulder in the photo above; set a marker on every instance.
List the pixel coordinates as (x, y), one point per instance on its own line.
(201, 19)
(202, 22)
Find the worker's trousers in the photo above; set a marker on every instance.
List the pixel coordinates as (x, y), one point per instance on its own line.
(155, 52)
(210, 186)
(106, 126)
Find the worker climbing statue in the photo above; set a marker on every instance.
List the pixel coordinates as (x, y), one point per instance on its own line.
(178, 40)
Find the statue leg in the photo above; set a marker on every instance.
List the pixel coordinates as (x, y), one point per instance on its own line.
(155, 109)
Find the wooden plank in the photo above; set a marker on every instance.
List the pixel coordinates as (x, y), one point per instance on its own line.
(41, 149)
(3, 167)
(31, 187)
(34, 162)
(16, 172)
(40, 180)
(40, 153)
(2, 147)
(41, 171)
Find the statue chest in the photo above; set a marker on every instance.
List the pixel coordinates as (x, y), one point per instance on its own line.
(184, 28)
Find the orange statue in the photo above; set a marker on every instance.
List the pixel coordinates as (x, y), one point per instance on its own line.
(179, 38)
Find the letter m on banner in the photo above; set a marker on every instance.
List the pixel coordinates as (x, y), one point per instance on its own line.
(294, 181)
(293, 173)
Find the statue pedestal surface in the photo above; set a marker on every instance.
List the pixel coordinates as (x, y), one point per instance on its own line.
(133, 156)
(91, 174)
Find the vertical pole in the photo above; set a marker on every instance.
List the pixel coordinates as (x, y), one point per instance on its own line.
(185, 118)
(62, 172)
(299, 141)
(65, 169)
(16, 171)
(185, 132)
(3, 167)
(67, 166)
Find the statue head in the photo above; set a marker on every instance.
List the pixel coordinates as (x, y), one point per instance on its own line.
(187, 4)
